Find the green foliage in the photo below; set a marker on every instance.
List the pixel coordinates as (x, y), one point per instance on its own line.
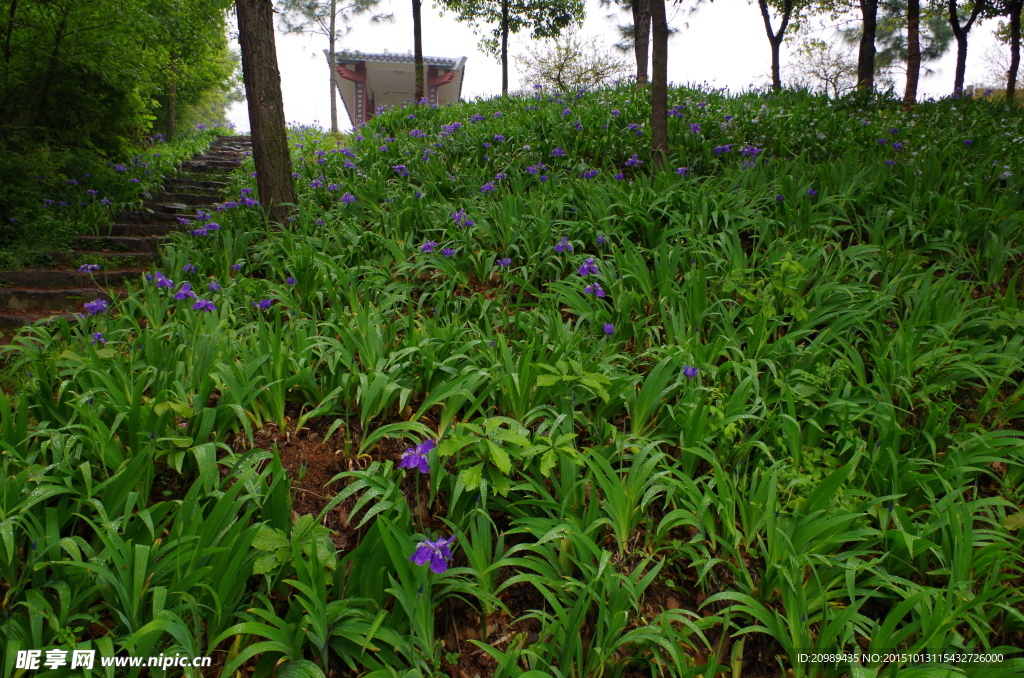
(802, 433)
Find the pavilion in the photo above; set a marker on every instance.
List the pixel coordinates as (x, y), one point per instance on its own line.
(369, 81)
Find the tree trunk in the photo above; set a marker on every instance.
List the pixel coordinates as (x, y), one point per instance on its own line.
(504, 47)
(172, 99)
(659, 83)
(960, 33)
(10, 30)
(775, 38)
(417, 45)
(913, 53)
(330, 58)
(1011, 78)
(266, 108)
(866, 54)
(172, 109)
(641, 38)
(961, 64)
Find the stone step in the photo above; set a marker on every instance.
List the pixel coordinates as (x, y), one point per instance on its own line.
(31, 299)
(141, 229)
(120, 243)
(195, 199)
(244, 139)
(68, 278)
(168, 207)
(210, 165)
(141, 217)
(114, 260)
(197, 185)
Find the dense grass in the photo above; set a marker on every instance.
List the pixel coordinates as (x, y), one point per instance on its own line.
(791, 424)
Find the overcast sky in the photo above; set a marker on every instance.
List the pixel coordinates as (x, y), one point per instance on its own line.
(722, 43)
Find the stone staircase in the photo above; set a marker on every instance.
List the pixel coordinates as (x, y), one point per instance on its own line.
(126, 248)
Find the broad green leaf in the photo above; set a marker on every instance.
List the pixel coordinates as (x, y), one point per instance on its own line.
(471, 476)
(268, 539)
(500, 458)
(1014, 522)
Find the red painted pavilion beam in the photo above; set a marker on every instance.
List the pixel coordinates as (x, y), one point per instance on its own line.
(351, 75)
(439, 80)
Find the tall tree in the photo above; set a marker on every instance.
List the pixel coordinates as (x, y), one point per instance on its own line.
(775, 38)
(641, 10)
(544, 18)
(266, 108)
(1014, 10)
(866, 53)
(913, 53)
(331, 19)
(960, 31)
(935, 36)
(635, 36)
(1009, 33)
(659, 83)
(417, 48)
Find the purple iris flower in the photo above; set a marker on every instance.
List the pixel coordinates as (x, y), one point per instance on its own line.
(689, 371)
(588, 267)
(347, 198)
(504, 262)
(189, 268)
(96, 306)
(437, 553)
(263, 304)
(557, 153)
(609, 329)
(563, 246)
(590, 175)
(683, 171)
(719, 150)
(594, 289)
(812, 192)
(213, 286)
(620, 176)
(416, 457)
(203, 305)
(489, 186)
(695, 127)
(634, 161)
(428, 246)
(289, 280)
(89, 268)
(185, 292)
(600, 240)
(448, 252)
(98, 337)
(460, 219)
